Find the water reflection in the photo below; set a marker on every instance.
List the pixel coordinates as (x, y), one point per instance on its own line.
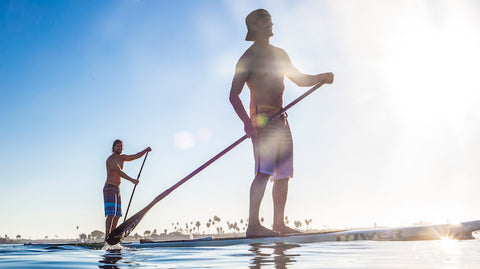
(277, 254)
(110, 259)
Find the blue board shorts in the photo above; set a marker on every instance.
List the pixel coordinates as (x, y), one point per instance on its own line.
(112, 200)
(273, 150)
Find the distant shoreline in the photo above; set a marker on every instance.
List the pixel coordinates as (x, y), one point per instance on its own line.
(160, 237)
(69, 241)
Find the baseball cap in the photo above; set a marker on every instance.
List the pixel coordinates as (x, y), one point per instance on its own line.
(252, 18)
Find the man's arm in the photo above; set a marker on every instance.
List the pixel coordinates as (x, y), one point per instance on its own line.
(239, 80)
(115, 167)
(135, 156)
(304, 80)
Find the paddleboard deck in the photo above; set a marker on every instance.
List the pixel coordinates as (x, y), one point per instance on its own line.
(459, 231)
(424, 232)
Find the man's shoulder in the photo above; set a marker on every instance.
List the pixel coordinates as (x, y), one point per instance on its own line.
(245, 60)
(278, 50)
(248, 54)
(114, 158)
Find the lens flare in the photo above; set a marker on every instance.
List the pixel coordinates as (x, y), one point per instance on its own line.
(184, 140)
(261, 120)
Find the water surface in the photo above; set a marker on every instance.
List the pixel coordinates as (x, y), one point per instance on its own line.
(356, 254)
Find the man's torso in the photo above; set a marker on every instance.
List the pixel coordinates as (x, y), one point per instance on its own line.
(266, 69)
(113, 178)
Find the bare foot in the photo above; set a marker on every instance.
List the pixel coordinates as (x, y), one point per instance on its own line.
(260, 231)
(285, 230)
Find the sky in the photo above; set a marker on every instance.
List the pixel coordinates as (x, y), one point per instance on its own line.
(394, 141)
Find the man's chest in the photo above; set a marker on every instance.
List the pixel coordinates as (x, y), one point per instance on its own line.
(118, 162)
(267, 64)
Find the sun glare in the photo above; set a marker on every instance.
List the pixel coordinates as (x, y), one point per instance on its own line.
(449, 245)
(429, 79)
(430, 71)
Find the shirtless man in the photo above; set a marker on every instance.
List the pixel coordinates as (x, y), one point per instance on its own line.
(111, 191)
(263, 68)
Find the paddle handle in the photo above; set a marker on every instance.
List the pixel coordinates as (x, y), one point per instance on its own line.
(139, 173)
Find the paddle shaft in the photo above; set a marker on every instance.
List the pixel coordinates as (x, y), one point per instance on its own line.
(223, 152)
(138, 178)
(127, 226)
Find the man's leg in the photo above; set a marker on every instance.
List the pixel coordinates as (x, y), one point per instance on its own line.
(279, 192)
(257, 190)
(114, 223)
(108, 224)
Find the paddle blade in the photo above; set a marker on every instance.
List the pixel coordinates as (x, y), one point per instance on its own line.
(122, 231)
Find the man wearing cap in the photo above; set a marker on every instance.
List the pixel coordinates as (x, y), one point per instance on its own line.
(111, 190)
(263, 68)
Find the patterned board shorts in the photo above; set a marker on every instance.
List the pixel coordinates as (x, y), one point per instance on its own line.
(273, 150)
(112, 200)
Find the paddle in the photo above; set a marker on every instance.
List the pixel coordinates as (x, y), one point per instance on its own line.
(127, 226)
(138, 178)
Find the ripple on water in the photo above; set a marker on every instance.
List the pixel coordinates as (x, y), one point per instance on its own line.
(359, 254)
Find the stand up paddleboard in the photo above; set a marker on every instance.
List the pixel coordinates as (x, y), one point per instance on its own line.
(461, 231)
(424, 232)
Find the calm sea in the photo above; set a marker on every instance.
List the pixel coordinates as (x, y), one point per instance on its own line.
(357, 254)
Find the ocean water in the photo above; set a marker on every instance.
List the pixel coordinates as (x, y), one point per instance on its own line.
(355, 254)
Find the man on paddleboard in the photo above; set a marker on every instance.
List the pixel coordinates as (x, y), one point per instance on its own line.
(263, 68)
(111, 191)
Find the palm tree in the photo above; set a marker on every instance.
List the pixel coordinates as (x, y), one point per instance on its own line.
(233, 226)
(147, 233)
(82, 237)
(216, 220)
(307, 222)
(198, 224)
(208, 226)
